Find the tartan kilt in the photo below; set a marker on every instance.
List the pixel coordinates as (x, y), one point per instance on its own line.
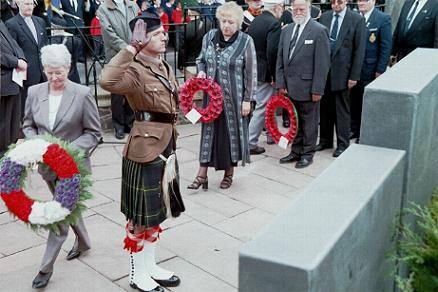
(141, 200)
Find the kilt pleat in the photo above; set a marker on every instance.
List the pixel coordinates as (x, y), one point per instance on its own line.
(141, 199)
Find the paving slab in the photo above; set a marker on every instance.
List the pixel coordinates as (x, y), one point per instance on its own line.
(18, 271)
(105, 172)
(245, 226)
(202, 214)
(220, 203)
(195, 279)
(96, 200)
(270, 168)
(16, 237)
(6, 217)
(205, 247)
(109, 188)
(105, 156)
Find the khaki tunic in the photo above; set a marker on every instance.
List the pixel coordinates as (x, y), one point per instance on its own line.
(137, 80)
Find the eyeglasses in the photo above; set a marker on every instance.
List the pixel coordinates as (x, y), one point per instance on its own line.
(54, 73)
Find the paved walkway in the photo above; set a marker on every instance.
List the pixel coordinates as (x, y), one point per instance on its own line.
(201, 246)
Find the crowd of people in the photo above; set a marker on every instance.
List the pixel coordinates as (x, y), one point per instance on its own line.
(321, 60)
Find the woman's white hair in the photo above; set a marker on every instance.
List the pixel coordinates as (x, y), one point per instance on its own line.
(55, 56)
(230, 9)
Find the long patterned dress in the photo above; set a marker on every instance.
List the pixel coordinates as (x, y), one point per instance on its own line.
(234, 68)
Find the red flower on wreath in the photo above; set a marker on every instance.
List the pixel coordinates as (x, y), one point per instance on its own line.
(275, 102)
(214, 91)
(57, 158)
(19, 203)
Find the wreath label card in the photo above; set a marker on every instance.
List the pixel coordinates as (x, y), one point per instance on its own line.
(283, 142)
(193, 116)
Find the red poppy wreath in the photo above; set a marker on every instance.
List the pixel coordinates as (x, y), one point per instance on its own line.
(276, 101)
(213, 90)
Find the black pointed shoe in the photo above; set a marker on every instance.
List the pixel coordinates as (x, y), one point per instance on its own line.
(338, 152)
(303, 163)
(157, 289)
(72, 254)
(288, 159)
(172, 282)
(321, 147)
(41, 280)
(256, 150)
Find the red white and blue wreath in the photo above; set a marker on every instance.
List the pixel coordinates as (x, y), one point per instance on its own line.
(72, 182)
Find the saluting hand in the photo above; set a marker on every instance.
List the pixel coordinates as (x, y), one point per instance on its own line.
(139, 39)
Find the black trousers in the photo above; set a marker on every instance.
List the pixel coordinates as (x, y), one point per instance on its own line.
(9, 121)
(308, 115)
(335, 112)
(356, 100)
(122, 114)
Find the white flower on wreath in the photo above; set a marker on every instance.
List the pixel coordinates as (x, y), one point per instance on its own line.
(30, 152)
(47, 213)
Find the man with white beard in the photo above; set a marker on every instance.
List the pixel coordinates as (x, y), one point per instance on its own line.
(303, 63)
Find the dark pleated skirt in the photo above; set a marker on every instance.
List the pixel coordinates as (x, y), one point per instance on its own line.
(220, 157)
(141, 192)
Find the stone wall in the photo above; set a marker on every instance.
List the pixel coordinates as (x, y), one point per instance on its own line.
(334, 237)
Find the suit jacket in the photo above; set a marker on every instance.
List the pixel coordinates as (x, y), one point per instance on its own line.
(77, 120)
(23, 36)
(265, 30)
(378, 45)
(422, 33)
(348, 54)
(79, 12)
(305, 73)
(10, 53)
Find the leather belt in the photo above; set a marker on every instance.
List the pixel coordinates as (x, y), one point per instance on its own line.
(167, 118)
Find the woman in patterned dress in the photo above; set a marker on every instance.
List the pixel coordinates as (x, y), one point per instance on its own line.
(228, 56)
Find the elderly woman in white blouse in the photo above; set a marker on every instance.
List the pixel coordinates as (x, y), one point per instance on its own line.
(66, 110)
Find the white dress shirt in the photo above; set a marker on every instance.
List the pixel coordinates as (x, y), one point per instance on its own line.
(340, 20)
(302, 26)
(54, 102)
(31, 25)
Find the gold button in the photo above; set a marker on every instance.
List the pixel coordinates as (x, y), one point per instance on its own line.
(155, 89)
(146, 135)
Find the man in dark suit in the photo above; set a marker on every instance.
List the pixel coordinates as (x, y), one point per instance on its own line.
(29, 32)
(347, 47)
(303, 63)
(417, 26)
(265, 30)
(377, 52)
(12, 57)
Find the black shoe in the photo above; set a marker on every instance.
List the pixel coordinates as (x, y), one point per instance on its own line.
(286, 123)
(120, 135)
(321, 147)
(303, 163)
(256, 150)
(41, 280)
(269, 140)
(172, 282)
(288, 159)
(354, 135)
(338, 152)
(72, 254)
(357, 141)
(157, 289)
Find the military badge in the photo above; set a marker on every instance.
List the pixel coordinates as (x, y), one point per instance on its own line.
(372, 38)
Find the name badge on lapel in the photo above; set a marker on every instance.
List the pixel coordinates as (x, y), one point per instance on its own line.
(372, 38)
(373, 29)
(308, 42)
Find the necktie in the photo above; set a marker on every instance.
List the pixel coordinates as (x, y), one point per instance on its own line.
(293, 41)
(31, 26)
(410, 17)
(334, 32)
